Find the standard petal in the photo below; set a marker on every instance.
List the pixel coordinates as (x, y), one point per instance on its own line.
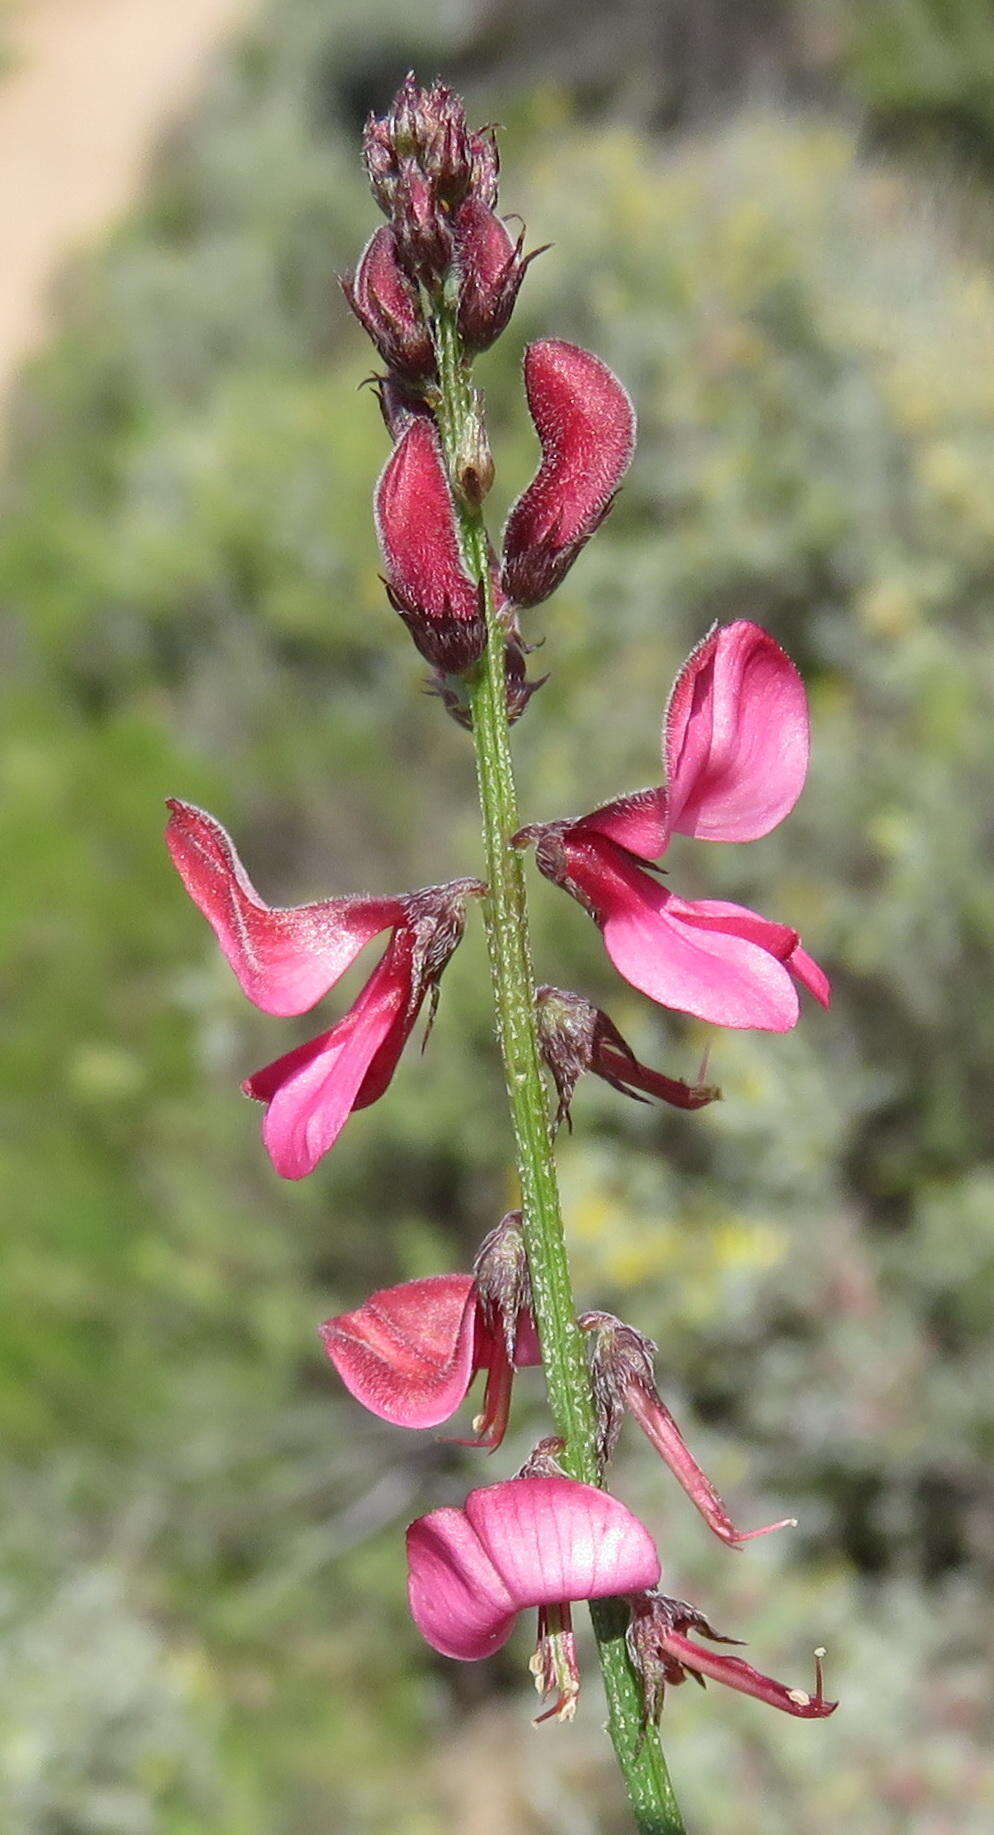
(407, 1353)
(735, 737)
(285, 957)
(586, 425)
(458, 1600)
(638, 822)
(554, 1540)
(311, 1091)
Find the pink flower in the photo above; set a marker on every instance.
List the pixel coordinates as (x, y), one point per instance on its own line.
(410, 1353)
(621, 1369)
(735, 741)
(426, 580)
(287, 958)
(532, 1541)
(662, 1653)
(586, 426)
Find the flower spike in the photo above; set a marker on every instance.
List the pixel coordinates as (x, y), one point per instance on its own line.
(586, 425)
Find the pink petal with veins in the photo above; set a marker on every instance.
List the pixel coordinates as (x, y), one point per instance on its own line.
(586, 425)
(285, 957)
(458, 1600)
(524, 1542)
(407, 1354)
(735, 737)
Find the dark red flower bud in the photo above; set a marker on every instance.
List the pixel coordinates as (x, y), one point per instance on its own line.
(576, 1036)
(586, 425)
(491, 269)
(399, 405)
(427, 128)
(388, 307)
(621, 1369)
(662, 1653)
(427, 583)
(425, 243)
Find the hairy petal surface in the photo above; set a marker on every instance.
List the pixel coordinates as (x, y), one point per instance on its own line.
(407, 1353)
(416, 526)
(285, 958)
(735, 737)
(586, 426)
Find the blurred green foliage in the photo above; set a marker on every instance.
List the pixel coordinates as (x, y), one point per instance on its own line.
(203, 1603)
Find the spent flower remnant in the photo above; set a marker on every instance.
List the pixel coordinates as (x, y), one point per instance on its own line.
(621, 1369)
(435, 285)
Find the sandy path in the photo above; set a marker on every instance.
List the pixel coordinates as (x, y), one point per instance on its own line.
(90, 86)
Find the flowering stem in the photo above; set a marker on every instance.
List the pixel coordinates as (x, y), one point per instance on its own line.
(570, 1398)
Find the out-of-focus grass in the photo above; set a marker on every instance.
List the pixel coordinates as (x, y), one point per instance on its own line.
(205, 1622)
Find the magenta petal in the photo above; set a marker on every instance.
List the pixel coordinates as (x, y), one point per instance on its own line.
(721, 916)
(586, 425)
(552, 1539)
(524, 1542)
(407, 1353)
(311, 1091)
(458, 1600)
(735, 737)
(726, 979)
(285, 958)
(527, 1350)
(638, 822)
(810, 975)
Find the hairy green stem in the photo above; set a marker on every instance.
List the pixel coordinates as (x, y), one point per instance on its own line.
(570, 1398)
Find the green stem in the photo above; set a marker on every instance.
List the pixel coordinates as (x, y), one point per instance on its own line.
(570, 1398)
